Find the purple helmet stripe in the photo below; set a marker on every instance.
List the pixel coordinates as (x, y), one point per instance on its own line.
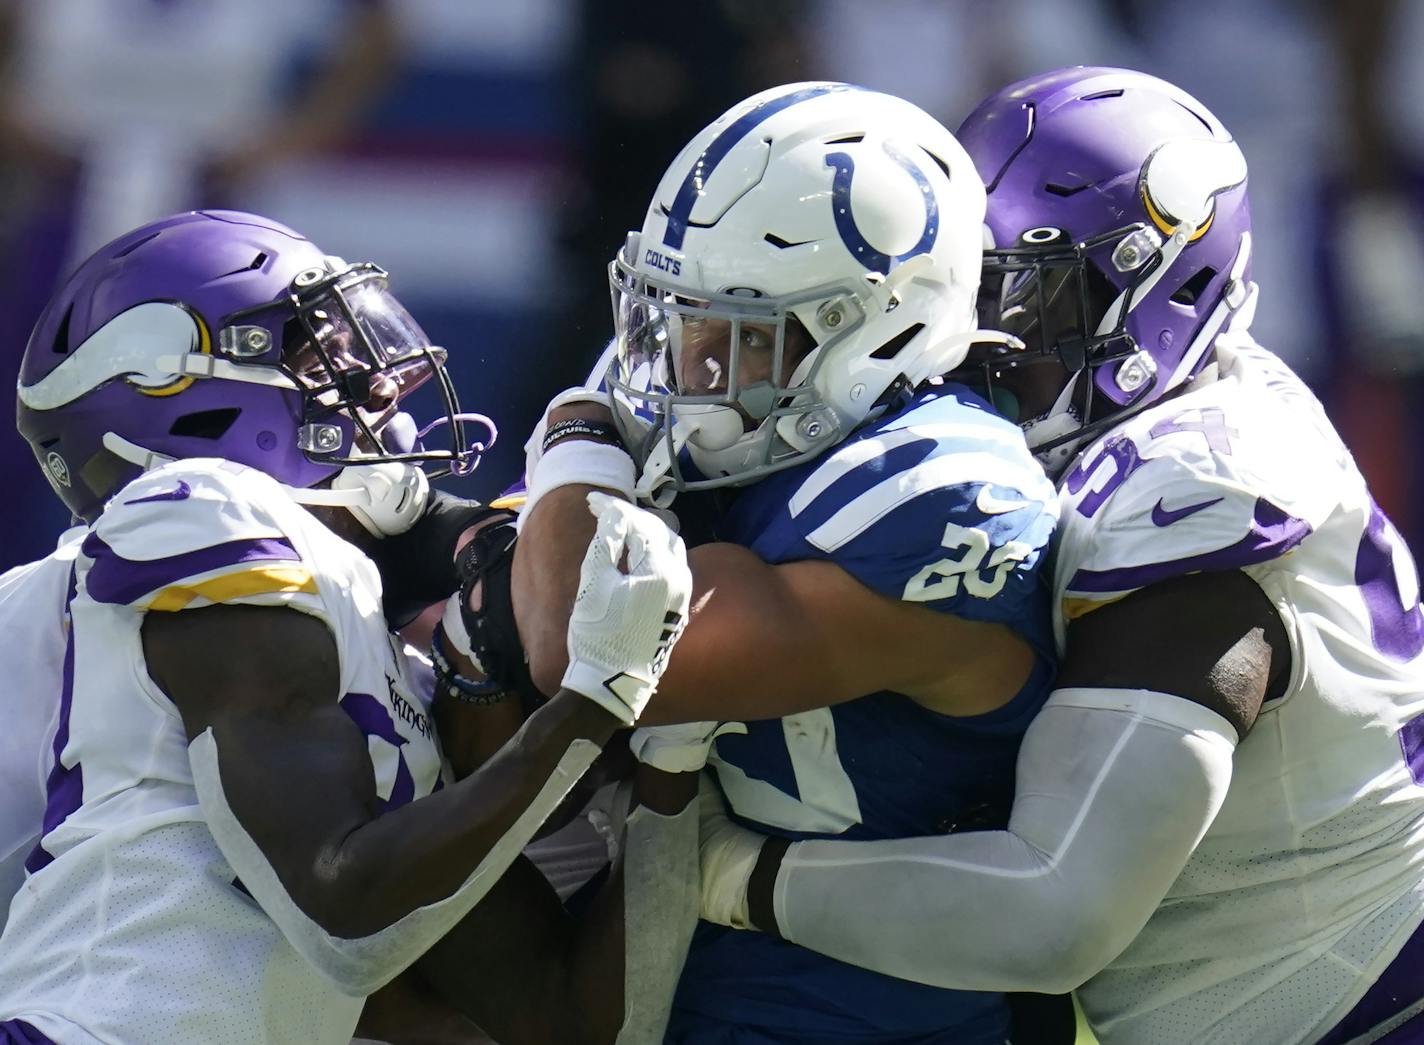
(116, 580)
(1272, 534)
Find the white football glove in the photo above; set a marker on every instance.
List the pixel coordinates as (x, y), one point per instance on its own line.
(729, 854)
(624, 624)
(680, 748)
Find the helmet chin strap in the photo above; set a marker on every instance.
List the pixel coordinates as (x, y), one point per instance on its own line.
(655, 484)
(133, 453)
(967, 338)
(710, 427)
(386, 498)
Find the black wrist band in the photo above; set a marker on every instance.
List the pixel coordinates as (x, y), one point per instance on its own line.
(576, 427)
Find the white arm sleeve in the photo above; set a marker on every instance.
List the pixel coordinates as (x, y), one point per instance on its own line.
(1114, 790)
(361, 965)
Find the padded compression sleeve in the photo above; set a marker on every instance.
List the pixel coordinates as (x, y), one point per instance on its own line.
(361, 965)
(1115, 788)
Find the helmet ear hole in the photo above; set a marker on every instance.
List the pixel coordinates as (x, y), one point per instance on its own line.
(1194, 287)
(897, 344)
(205, 424)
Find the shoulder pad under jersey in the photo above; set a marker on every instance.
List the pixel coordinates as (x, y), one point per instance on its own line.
(1231, 475)
(940, 504)
(198, 532)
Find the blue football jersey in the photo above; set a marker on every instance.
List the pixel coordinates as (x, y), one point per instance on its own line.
(940, 503)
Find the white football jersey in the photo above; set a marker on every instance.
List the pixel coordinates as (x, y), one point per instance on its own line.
(33, 627)
(1309, 880)
(131, 926)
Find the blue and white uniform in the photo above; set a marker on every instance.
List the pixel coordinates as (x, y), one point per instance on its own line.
(131, 926)
(941, 504)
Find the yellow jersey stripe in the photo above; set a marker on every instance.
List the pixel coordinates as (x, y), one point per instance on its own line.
(264, 581)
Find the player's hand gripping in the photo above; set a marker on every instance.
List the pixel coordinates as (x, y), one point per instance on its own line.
(631, 607)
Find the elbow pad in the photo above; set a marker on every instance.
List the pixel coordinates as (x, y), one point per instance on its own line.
(1114, 789)
(361, 965)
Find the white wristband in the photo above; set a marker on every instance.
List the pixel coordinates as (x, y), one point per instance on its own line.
(580, 461)
(729, 854)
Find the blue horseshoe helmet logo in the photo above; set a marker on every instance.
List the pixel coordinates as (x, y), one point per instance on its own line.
(851, 236)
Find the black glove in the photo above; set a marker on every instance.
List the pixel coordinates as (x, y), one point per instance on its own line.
(418, 567)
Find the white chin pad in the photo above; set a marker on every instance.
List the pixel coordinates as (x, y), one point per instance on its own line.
(396, 495)
(710, 426)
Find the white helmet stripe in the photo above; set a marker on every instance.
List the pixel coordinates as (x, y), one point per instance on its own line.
(134, 344)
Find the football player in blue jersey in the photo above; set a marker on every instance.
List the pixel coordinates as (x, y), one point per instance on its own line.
(1218, 828)
(870, 636)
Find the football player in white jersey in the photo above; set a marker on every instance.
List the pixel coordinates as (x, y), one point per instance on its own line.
(867, 540)
(33, 651)
(247, 825)
(1218, 829)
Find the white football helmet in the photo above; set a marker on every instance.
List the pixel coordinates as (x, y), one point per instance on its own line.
(808, 257)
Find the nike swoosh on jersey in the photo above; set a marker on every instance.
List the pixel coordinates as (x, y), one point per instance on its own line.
(179, 493)
(991, 505)
(1167, 516)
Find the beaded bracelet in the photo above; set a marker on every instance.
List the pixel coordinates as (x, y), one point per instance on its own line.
(450, 683)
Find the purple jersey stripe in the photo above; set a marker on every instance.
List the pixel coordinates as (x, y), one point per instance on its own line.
(18, 1032)
(1273, 533)
(374, 720)
(114, 579)
(64, 789)
(1398, 987)
(1411, 740)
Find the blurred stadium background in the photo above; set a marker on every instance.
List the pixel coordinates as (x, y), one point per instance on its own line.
(490, 155)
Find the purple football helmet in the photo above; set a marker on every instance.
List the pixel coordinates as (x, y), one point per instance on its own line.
(222, 334)
(1120, 244)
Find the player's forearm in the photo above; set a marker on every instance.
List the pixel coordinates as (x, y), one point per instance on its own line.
(1111, 803)
(375, 898)
(422, 853)
(611, 972)
(552, 541)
